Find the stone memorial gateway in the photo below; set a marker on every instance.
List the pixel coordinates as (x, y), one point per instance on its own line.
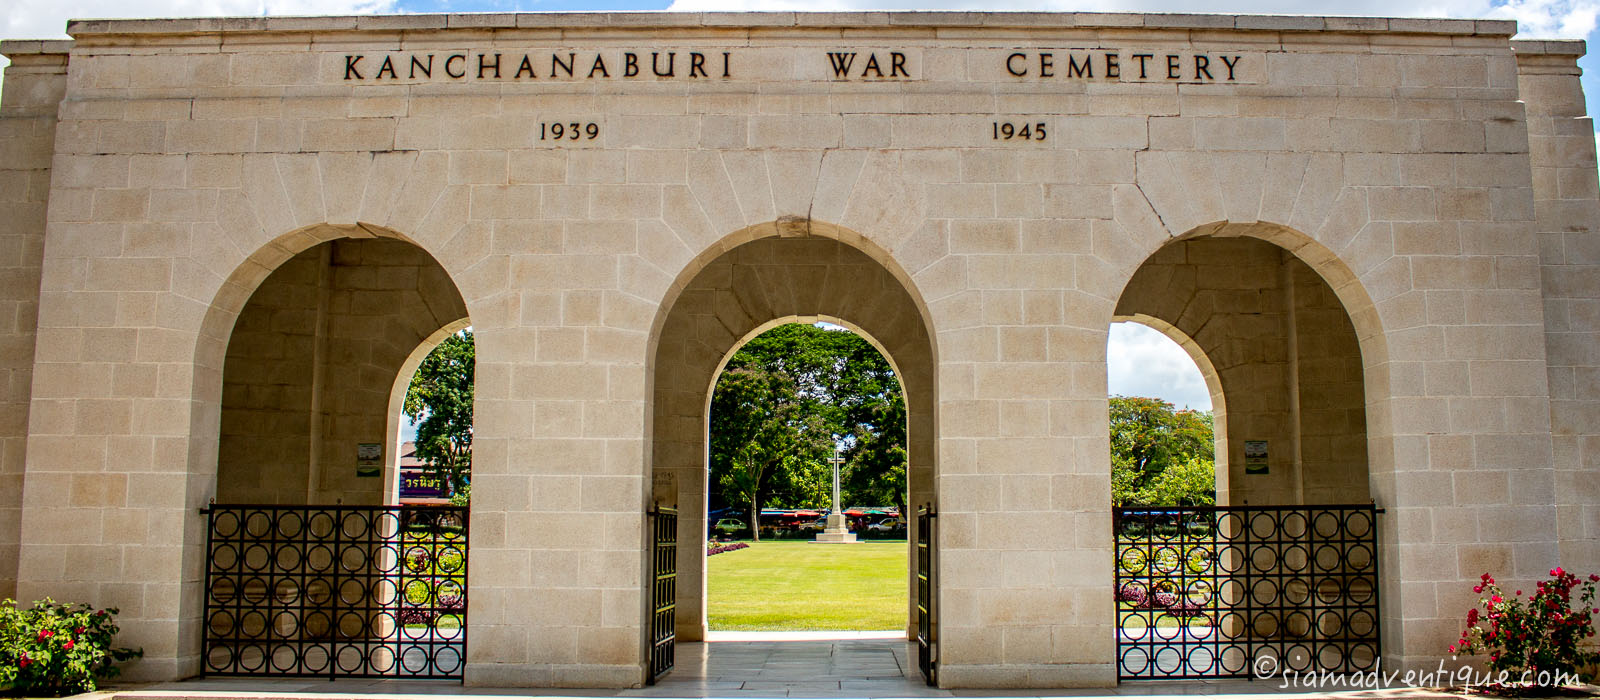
(227, 243)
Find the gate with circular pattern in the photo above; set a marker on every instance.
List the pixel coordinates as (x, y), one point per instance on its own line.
(1246, 591)
(336, 591)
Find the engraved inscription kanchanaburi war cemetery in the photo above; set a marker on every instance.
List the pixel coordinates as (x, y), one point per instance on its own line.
(227, 243)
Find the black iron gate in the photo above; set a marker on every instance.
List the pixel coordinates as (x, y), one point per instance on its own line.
(664, 593)
(1211, 592)
(927, 652)
(336, 591)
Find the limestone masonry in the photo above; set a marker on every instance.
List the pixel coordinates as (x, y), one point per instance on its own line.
(225, 244)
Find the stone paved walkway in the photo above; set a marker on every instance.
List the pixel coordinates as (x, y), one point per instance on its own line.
(808, 668)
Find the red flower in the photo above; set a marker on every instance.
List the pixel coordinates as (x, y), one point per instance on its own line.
(67, 645)
(1472, 617)
(1557, 571)
(78, 629)
(45, 634)
(25, 661)
(1452, 648)
(1477, 589)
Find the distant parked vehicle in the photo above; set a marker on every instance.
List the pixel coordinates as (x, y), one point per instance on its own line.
(730, 526)
(887, 525)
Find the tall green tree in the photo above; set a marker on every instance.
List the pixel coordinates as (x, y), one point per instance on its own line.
(439, 404)
(875, 463)
(1161, 456)
(759, 432)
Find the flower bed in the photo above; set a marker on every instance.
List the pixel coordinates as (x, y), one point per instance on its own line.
(1136, 596)
(726, 548)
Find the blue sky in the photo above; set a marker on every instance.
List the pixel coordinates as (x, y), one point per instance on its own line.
(1143, 362)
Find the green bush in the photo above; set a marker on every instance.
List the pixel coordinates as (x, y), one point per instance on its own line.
(57, 648)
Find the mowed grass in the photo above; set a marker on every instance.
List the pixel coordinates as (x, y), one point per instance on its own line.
(804, 586)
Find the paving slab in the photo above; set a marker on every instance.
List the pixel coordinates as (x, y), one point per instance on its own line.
(809, 667)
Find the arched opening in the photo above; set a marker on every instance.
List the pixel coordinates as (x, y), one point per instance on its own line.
(1285, 355)
(807, 446)
(405, 467)
(1205, 592)
(731, 295)
(336, 578)
(1161, 386)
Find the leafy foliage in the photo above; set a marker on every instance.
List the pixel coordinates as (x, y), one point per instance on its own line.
(1161, 456)
(439, 403)
(786, 400)
(759, 430)
(57, 649)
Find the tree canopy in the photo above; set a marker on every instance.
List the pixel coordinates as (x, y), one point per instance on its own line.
(439, 404)
(1161, 456)
(786, 400)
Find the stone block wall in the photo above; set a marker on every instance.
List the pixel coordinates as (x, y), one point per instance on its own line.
(34, 84)
(1567, 213)
(1392, 157)
(264, 453)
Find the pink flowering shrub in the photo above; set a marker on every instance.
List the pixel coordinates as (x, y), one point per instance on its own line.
(1544, 633)
(57, 649)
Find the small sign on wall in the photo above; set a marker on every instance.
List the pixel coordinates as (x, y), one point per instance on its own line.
(369, 460)
(1255, 456)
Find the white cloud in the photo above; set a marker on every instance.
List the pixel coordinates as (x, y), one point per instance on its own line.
(1549, 18)
(1140, 361)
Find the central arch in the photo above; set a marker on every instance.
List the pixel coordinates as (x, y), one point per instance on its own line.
(752, 282)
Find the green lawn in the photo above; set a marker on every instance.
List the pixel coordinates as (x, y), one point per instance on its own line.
(789, 585)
